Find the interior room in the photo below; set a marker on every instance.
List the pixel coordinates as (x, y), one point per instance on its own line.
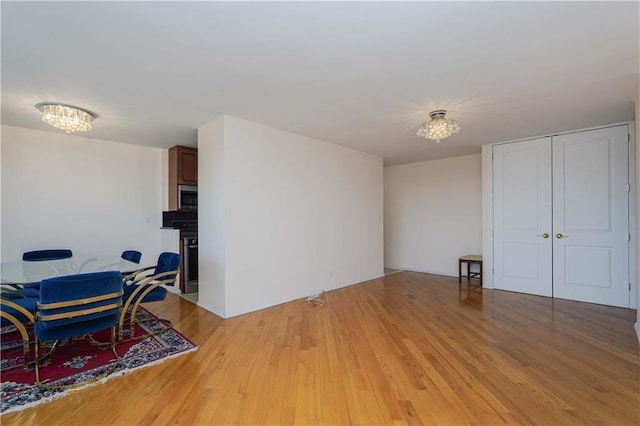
(411, 212)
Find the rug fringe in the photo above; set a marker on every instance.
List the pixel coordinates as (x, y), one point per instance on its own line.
(129, 370)
(104, 380)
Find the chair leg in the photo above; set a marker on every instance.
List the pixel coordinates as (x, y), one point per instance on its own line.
(21, 328)
(37, 360)
(113, 343)
(132, 321)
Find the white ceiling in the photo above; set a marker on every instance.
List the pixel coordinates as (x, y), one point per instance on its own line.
(362, 75)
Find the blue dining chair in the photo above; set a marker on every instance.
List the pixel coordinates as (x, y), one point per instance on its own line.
(132, 256)
(76, 305)
(145, 288)
(49, 254)
(32, 289)
(19, 312)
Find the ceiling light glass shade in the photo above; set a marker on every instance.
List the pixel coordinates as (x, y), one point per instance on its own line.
(67, 118)
(439, 127)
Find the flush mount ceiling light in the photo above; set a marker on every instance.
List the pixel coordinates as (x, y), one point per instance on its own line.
(439, 127)
(66, 117)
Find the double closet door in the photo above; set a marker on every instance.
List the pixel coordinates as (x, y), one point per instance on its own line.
(561, 216)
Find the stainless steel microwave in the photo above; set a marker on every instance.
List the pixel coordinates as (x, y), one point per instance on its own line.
(187, 197)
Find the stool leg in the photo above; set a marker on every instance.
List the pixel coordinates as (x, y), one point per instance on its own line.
(480, 274)
(459, 271)
(468, 270)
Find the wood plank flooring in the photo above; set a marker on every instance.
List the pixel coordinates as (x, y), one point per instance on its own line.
(406, 349)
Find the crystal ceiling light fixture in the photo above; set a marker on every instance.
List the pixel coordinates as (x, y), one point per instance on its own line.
(66, 117)
(439, 127)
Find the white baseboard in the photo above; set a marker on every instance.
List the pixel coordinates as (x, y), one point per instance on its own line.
(210, 309)
(426, 271)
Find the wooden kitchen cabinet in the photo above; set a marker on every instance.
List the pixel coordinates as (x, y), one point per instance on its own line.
(183, 163)
(183, 170)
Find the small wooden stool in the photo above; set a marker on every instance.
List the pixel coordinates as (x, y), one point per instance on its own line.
(470, 259)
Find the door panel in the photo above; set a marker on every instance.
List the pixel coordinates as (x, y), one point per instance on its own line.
(514, 267)
(590, 216)
(522, 214)
(584, 166)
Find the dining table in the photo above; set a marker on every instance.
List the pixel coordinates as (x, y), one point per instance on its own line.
(25, 272)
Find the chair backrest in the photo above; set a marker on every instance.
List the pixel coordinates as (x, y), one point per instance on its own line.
(52, 254)
(81, 300)
(168, 262)
(132, 256)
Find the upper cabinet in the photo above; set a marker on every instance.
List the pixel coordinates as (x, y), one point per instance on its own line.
(183, 163)
(183, 170)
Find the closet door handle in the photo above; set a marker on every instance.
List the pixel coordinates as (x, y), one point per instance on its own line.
(545, 235)
(558, 236)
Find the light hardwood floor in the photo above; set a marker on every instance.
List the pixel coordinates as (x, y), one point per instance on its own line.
(410, 348)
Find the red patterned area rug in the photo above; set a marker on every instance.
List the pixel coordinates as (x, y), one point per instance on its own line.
(77, 360)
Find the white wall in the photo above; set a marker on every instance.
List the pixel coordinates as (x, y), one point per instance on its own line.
(211, 218)
(89, 195)
(300, 215)
(487, 216)
(433, 214)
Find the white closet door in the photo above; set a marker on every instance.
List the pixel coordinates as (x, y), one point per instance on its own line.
(590, 216)
(522, 217)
